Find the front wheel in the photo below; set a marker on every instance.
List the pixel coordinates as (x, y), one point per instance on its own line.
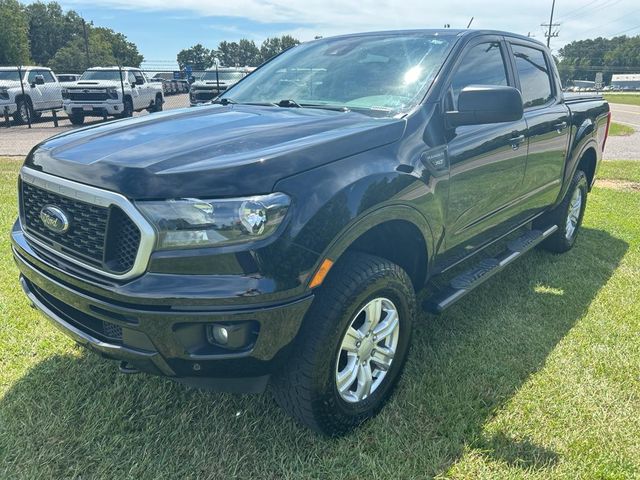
(127, 108)
(76, 118)
(352, 347)
(24, 112)
(567, 216)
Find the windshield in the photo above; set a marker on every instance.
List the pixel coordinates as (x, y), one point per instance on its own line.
(103, 75)
(11, 75)
(383, 73)
(223, 76)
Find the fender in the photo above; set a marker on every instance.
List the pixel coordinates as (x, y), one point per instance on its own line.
(585, 139)
(373, 218)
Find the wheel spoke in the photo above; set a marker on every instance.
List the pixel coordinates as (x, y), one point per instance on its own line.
(351, 339)
(373, 312)
(383, 357)
(347, 376)
(387, 327)
(365, 380)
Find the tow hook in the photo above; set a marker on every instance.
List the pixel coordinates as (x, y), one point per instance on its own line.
(127, 369)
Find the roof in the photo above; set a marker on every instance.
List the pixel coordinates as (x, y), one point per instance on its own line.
(25, 67)
(444, 32)
(115, 67)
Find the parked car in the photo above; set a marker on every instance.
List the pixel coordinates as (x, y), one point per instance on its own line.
(213, 82)
(27, 97)
(68, 77)
(183, 86)
(280, 234)
(109, 91)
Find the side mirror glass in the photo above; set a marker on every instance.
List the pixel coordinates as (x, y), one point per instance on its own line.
(483, 104)
(39, 80)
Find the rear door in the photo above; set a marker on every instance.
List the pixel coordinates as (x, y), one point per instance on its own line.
(548, 121)
(487, 162)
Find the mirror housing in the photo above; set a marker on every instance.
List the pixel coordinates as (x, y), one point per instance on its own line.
(482, 104)
(139, 81)
(39, 80)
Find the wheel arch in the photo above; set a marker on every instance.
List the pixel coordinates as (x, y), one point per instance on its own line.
(397, 233)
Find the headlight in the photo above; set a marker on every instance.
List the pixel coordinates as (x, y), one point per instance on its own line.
(65, 93)
(4, 93)
(113, 93)
(190, 222)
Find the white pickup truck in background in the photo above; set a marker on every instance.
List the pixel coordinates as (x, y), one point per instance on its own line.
(27, 97)
(99, 93)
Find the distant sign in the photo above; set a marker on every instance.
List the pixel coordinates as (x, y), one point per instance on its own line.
(188, 70)
(177, 75)
(599, 81)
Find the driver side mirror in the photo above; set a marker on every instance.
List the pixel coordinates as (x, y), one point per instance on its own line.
(38, 80)
(482, 104)
(139, 81)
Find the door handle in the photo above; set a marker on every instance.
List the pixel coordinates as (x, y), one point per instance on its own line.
(516, 141)
(560, 126)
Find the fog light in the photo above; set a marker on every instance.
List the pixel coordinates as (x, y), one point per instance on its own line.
(220, 334)
(233, 336)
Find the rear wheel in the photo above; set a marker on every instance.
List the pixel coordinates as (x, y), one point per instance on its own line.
(352, 347)
(157, 105)
(567, 216)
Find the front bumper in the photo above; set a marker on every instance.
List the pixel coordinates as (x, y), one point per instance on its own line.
(108, 107)
(161, 339)
(9, 108)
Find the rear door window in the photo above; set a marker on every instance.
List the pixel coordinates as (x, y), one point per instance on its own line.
(533, 70)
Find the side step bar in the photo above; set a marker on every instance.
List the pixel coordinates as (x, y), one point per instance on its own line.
(484, 270)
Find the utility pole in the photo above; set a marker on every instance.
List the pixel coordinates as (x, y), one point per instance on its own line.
(86, 42)
(550, 34)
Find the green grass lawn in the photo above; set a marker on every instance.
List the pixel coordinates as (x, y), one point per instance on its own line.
(626, 98)
(535, 375)
(620, 130)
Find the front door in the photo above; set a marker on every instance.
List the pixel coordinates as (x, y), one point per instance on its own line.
(487, 162)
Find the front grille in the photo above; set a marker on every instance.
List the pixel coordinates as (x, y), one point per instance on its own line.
(103, 237)
(87, 96)
(209, 95)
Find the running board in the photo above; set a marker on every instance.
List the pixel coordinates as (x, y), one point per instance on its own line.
(484, 270)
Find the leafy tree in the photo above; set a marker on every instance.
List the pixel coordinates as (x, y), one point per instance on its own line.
(14, 40)
(199, 57)
(273, 46)
(106, 48)
(242, 53)
(50, 29)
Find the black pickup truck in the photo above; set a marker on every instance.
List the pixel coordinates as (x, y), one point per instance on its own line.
(279, 235)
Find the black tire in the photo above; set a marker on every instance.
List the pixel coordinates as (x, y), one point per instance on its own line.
(76, 118)
(128, 108)
(157, 105)
(306, 388)
(23, 112)
(564, 238)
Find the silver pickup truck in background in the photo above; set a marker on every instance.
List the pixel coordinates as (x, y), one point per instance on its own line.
(25, 92)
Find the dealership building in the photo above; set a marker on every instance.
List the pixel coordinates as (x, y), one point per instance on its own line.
(626, 81)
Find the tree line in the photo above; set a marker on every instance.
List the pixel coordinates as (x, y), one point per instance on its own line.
(582, 59)
(244, 53)
(42, 33)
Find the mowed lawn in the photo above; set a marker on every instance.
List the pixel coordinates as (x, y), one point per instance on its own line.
(534, 375)
(625, 98)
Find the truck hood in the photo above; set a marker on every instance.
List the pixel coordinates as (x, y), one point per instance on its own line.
(96, 84)
(210, 151)
(9, 84)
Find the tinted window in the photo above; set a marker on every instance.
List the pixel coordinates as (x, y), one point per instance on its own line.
(48, 78)
(481, 65)
(533, 70)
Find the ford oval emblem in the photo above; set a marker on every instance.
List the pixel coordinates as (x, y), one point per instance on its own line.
(54, 218)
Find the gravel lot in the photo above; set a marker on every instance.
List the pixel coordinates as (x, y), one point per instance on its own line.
(19, 140)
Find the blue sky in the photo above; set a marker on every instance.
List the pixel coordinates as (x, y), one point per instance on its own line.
(161, 29)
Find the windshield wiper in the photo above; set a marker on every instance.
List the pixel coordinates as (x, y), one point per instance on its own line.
(336, 108)
(224, 101)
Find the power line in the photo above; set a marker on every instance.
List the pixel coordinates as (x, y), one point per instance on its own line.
(551, 25)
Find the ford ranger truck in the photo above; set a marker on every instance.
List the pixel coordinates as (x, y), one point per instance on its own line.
(279, 235)
(110, 91)
(26, 98)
